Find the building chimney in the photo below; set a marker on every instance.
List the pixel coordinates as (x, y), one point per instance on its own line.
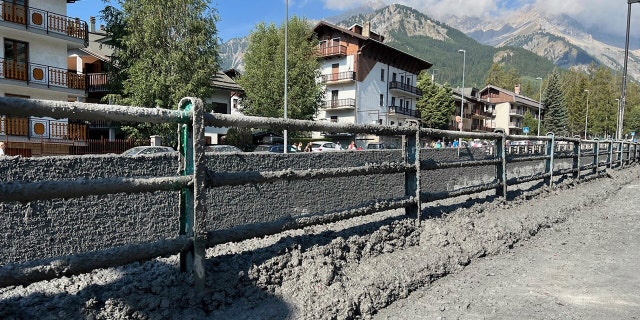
(366, 31)
(92, 21)
(517, 89)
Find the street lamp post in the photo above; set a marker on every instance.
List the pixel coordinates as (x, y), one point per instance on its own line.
(623, 93)
(586, 115)
(539, 105)
(286, 95)
(618, 102)
(464, 63)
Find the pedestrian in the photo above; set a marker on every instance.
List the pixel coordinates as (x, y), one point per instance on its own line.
(308, 147)
(338, 146)
(2, 146)
(438, 144)
(299, 146)
(352, 145)
(455, 143)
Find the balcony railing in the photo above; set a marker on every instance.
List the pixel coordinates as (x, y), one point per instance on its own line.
(41, 74)
(517, 125)
(405, 87)
(335, 50)
(98, 82)
(41, 128)
(516, 112)
(340, 103)
(339, 76)
(403, 110)
(44, 20)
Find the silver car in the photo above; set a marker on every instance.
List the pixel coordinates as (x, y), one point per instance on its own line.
(147, 150)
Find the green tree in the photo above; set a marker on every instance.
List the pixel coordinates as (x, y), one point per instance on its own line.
(436, 104)
(263, 80)
(556, 118)
(531, 122)
(163, 51)
(499, 77)
(575, 82)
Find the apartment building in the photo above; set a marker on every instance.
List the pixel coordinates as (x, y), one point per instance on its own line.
(509, 107)
(36, 36)
(367, 81)
(476, 115)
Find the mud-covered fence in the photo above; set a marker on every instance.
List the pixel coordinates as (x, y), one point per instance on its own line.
(201, 188)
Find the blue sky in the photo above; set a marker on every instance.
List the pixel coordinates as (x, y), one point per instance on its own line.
(238, 17)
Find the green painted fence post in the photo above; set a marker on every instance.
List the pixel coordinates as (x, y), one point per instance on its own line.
(412, 179)
(551, 147)
(192, 199)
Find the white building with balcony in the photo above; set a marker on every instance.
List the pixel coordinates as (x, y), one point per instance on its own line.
(367, 81)
(36, 37)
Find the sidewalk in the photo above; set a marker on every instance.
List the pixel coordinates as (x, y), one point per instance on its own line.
(585, 268)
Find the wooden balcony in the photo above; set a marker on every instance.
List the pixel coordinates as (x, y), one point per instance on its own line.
(327, 51)
(51, 23)
(98, 82)
(41, 74)
(338, 77)
(39, 128)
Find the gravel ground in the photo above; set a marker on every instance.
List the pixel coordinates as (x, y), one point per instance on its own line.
(386, 266)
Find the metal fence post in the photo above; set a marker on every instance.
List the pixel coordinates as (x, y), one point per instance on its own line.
(501, 167)
(412, 179)
(610, 155)
(577, 150)
(596, 156)
(192, 200)
(551, 147)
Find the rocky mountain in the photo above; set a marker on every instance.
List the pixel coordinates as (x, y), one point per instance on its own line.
(528, 40)
(232, 53)
(558, 38)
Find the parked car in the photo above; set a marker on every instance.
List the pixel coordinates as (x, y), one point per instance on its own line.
(222, 148)
(275, 148)
(147, 150)
(323, 146)
(381, 145)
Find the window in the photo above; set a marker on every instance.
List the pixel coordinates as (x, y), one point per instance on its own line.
(220, 107)
(408, 104)
(16, 54)
(334, 118)
(382, 75)
(393, 78)
(382, 100)
(393, 101)
(334, 98)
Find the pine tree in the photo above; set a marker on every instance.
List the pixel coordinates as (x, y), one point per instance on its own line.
(556, 118)
(436, 105)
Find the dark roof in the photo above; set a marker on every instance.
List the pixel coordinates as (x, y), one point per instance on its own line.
(223, 81)
(380, 51)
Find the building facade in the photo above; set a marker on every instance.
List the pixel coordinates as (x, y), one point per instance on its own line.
(509, 107)
(36, 37)
(366, 81)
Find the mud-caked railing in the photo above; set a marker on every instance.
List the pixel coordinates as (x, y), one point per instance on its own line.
(195, 178)
(187, 118)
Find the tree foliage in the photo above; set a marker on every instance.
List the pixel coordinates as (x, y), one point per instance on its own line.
(499, 77)
(556, 118)
(163, 51)
(436, 104)
(263, 80)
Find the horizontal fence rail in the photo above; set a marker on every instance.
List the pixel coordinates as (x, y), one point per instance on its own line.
(194, 178)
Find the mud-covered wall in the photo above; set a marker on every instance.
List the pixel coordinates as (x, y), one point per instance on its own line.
(44, 229)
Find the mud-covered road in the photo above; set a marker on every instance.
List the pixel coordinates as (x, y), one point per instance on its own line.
(566, 253)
